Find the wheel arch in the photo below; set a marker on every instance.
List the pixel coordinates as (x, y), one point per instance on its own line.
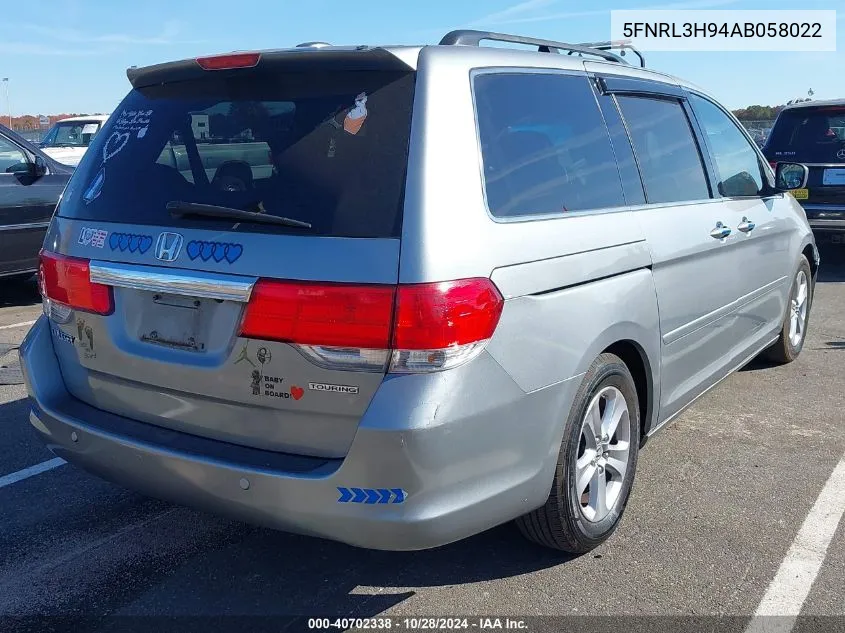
(638, 363)
(812, 254)
(638, 345)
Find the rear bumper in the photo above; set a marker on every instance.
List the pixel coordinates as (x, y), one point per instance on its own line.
(825, 218)
(452, 470)
(833, 226)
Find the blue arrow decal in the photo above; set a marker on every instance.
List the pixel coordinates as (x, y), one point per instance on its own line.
(371, 496)
(400, 495)
(345, 495)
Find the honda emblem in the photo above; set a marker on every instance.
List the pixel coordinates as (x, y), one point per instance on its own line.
(168, 246)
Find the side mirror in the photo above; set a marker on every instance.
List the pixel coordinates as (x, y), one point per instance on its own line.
(790, 176)
(37, 167)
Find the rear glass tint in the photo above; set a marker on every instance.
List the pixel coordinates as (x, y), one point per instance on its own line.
(808, 135)
(329, 149)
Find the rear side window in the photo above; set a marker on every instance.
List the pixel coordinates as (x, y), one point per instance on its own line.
(737, 162)
(666, 149)
(329, 149)
(544, 145)
(12, 159)
(808, 135)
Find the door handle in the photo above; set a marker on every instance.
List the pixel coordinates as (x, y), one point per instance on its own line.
(720, 232)
(746, 226)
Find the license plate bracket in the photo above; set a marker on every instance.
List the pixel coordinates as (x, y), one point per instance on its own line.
(174, 321)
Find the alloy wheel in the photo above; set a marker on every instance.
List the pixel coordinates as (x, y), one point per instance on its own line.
(603, 453)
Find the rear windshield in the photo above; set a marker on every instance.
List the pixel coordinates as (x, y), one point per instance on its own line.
(329, 149)
(808, 135)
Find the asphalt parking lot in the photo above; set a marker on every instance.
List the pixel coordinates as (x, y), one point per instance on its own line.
(719, 499)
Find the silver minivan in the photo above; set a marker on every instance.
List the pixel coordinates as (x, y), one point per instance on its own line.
(395, 296)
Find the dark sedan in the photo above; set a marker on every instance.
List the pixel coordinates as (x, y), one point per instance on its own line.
(30, 185)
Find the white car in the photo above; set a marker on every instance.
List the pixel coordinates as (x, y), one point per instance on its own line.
(68, 139)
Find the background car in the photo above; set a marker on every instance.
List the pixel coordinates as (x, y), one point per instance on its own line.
(68, 139)
(813, 133)
(30, 185)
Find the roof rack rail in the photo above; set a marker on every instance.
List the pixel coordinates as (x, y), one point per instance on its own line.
(313, 45)
(474, 38)
(620, 45)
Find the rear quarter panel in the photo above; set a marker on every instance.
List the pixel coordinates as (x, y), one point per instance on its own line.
(574, 284)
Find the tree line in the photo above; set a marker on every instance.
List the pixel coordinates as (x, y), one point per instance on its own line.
(761, 113)
(32, 122)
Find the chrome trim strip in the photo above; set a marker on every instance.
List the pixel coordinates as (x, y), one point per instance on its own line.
(23, 227)
(842, 165)
(833, 225)
(13, 273)
(835, 208)
(193, 283)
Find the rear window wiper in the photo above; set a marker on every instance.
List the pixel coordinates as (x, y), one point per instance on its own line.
(181, 209)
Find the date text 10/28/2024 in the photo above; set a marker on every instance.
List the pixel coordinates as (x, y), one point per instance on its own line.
(417, 624)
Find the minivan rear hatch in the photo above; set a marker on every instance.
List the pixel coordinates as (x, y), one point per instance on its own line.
(231, 244)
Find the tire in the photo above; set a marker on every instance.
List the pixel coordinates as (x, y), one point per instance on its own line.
(573, 521)
(787, 348)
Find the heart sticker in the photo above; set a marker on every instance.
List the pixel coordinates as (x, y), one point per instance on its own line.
(297, 392)
(193, 249)
(117, 141)
(206, 251)
(123, 242)
(233, 252)
(144, 244)
(219, 252)
(114, 240)
(134, 241)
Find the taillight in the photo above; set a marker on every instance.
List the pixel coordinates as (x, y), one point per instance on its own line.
(66, 280)
(320, 314)
(418, 327)
(441, 325)
(229, 61)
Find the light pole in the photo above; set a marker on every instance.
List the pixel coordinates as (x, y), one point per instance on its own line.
(8, 102)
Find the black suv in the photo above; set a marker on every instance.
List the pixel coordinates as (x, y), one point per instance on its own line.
(813, 133)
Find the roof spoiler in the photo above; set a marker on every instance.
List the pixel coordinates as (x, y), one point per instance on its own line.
(313, 57)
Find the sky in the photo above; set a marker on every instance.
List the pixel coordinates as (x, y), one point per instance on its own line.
(66, 56)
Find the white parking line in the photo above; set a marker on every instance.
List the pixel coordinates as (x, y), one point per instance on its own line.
(797, 573)
(14, 325)
(50, 464)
